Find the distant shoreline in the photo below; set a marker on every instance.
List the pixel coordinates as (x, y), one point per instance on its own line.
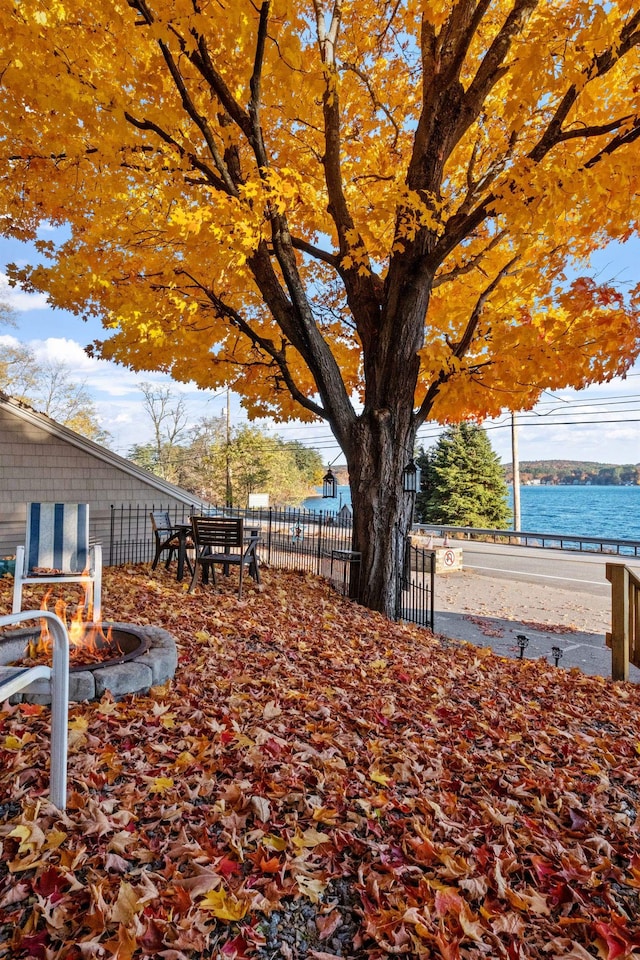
(574, 473)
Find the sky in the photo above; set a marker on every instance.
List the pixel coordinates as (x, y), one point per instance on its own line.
(600, 423)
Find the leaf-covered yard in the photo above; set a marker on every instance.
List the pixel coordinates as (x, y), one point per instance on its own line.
(319, 782)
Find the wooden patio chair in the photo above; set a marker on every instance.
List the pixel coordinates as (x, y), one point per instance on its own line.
(221, 540)
(18, 679)
(57, 550)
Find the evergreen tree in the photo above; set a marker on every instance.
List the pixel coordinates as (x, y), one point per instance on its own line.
(462, 481)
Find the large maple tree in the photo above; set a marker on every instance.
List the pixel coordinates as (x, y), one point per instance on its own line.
(358, 212)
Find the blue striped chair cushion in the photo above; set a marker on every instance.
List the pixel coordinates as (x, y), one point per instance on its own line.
(58, 537)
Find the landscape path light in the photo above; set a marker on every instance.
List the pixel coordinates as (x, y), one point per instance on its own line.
(556, 653)
(523, 643)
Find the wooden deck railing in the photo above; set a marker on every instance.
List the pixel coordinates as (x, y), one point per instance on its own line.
(624, 638)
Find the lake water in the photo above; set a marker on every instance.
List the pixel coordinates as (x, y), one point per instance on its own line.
(612, 512)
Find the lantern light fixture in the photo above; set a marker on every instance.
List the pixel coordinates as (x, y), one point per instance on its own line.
(411, 477)
(329, 485)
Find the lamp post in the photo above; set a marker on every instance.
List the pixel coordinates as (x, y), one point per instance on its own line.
(515, 464)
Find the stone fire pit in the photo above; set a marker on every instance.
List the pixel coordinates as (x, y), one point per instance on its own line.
(150, 659)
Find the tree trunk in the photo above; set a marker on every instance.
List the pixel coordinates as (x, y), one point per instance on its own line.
(381, 443)
(382, 511)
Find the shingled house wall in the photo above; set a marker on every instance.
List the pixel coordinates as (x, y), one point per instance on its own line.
(40, 460)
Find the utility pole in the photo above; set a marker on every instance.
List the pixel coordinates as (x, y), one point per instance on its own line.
(515, 460)
(229, 492)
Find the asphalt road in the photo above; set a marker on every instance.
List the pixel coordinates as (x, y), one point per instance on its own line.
(560, 568)
(559, 600)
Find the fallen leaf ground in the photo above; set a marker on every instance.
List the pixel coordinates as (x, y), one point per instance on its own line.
(318, 782)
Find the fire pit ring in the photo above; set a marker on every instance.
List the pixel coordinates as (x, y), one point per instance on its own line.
(149, 658)
(125, 645)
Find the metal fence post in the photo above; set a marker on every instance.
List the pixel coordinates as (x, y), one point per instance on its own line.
(112, 521)
(320, 545)
(432, 590)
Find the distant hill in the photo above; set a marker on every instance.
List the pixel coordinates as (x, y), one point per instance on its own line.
(576, 471)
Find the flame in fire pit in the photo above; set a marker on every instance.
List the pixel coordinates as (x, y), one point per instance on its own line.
(87, 641)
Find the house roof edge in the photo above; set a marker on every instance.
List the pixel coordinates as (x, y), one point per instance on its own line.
(25, 412)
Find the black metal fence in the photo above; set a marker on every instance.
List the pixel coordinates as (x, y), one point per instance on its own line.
(131, 537)
(418, 585)
(291, 539)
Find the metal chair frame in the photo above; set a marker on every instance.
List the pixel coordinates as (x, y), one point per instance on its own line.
(16, 679)
(164, 535)
(171, 538)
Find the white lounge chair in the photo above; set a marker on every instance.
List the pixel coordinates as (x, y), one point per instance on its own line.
(17, 679)
(57, 550)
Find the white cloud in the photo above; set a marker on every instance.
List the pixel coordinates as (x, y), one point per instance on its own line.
(100, 375)
(61, 349)
(19, 300)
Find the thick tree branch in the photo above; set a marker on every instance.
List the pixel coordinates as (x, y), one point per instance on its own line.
(294, 315)
(464, 222)
(198, 119)
(211, 177)
(331, 108)
(622, 140)
(599, 66)
(316, 252)
(459, 350)
(303, 331)
(205, 66)
(457, 35)
(265, 345)
(448, 110)
(361, 284)
(595, 130)
(255, 85)
(492, 66)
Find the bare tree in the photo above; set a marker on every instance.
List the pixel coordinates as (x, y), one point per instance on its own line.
(168, 414)
(7, 315)
(49, 387)
(18, 375)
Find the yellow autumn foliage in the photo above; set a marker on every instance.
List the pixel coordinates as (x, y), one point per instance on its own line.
(139, 137)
